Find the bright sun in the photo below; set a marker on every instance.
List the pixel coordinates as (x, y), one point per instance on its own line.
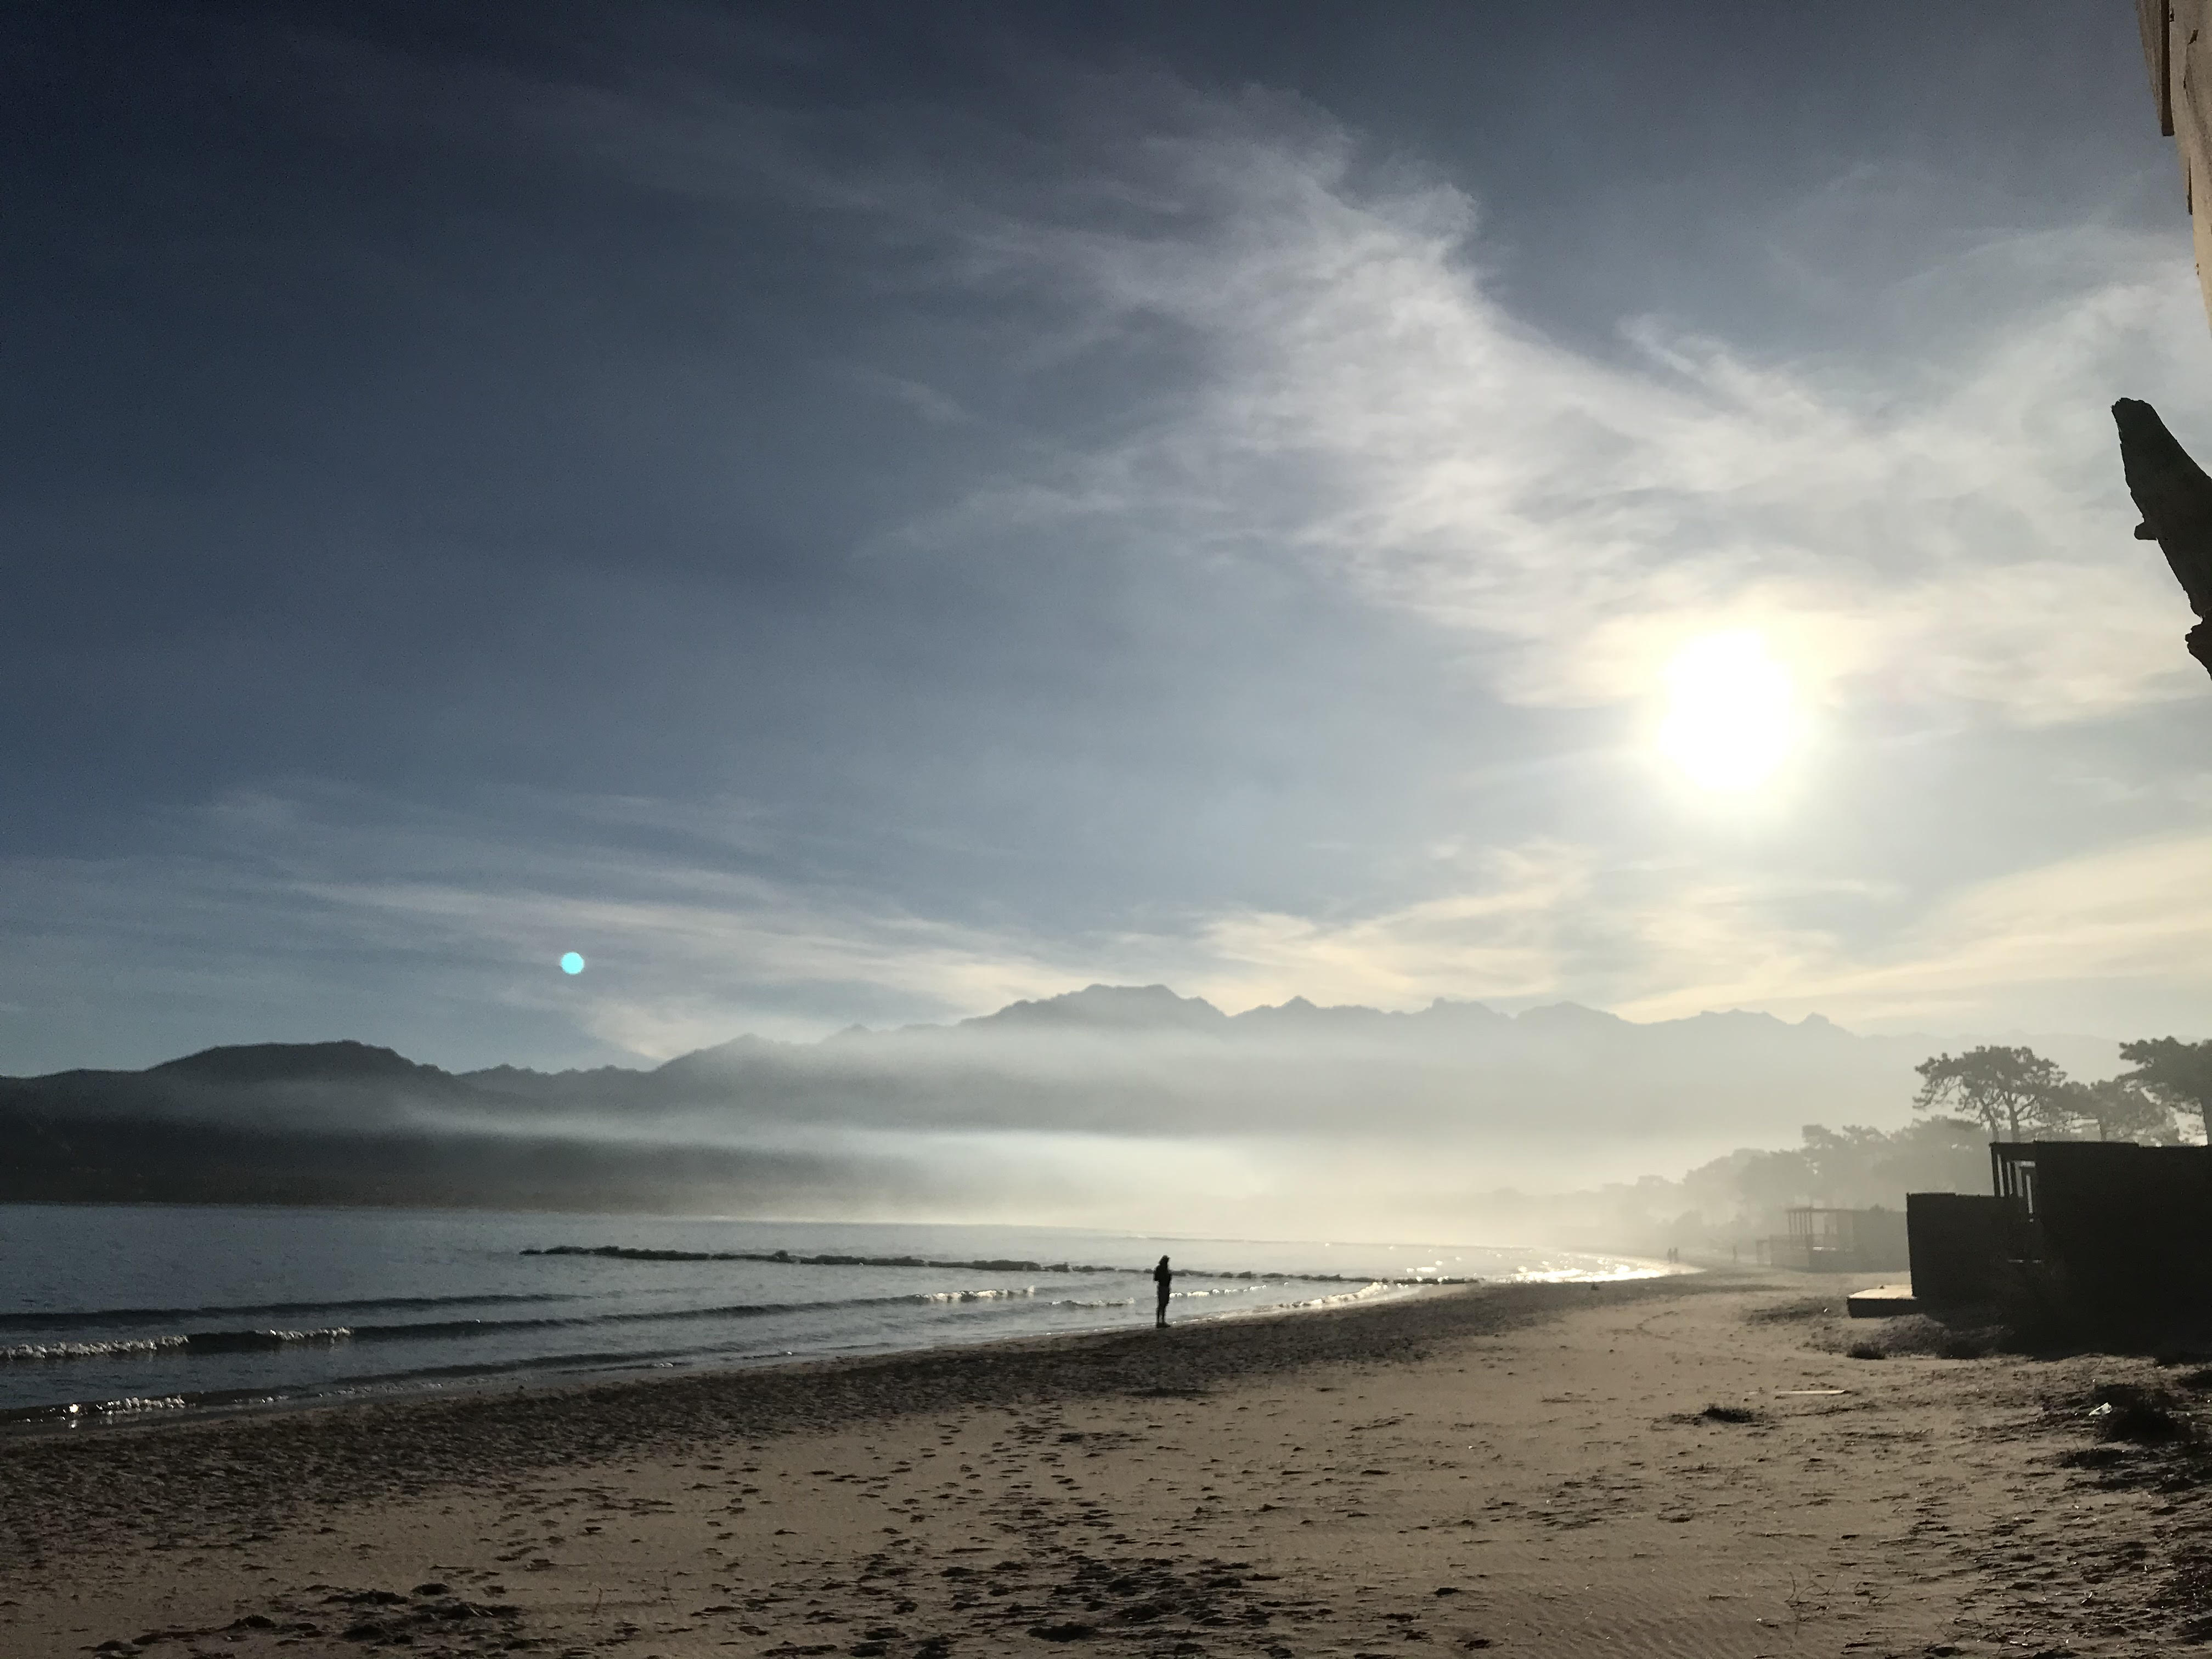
(1730, 721)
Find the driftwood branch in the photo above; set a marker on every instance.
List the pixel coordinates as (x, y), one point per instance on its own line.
(2175, 499)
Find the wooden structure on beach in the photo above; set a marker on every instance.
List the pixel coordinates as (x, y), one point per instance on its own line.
(1827, 1241)
(2104, 1229)
(1965, 1246)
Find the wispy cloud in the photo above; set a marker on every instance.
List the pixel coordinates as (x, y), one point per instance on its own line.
(1954, 534)
(1946, 528)
(272, 902)
(1509, 938)
(438, 910)
(2109, 940)
(2121, 936)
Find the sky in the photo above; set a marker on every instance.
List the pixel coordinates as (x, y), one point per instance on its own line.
(862, 514)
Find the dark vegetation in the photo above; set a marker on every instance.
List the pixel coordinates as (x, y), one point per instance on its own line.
(2139, 1415)
(1971, 1337)
(2015, 1093)
(1969, 1100)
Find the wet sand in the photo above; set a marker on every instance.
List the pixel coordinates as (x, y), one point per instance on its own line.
(1531, 1470)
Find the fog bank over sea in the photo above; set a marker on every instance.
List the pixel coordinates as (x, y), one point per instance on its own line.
(1111, 1107)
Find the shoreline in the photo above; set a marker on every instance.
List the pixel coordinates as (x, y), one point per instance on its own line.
(149, 1414)
(316, 1448)
(102, 1415)
(1679, 1465)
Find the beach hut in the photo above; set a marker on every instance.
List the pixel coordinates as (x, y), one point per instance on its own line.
(1832, 1241)
(2104, 1229)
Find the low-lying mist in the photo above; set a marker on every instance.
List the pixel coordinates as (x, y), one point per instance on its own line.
(1112, 1107)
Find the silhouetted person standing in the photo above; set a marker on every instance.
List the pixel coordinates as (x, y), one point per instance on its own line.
(1163, 1276)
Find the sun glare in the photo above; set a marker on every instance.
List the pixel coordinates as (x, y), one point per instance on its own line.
(1730, 721)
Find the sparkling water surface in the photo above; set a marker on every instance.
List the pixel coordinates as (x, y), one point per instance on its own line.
(112, 1311)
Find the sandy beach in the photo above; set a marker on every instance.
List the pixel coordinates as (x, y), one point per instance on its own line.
(1687, 1467)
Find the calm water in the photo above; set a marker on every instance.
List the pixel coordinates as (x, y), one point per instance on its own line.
(111, 1312)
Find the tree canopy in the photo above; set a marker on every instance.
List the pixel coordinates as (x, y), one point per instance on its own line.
(2177, 1074)
(2120, 1109)
(2009, 1091)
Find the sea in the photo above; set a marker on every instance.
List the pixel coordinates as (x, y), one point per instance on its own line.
(122, 1313)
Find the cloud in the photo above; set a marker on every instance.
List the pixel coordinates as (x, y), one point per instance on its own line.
(686, 950)
(319, 910)
(1506, 939)
(926, 402)
(2126, 929)
(2114, 940)
(1953, 534)
(683, 957)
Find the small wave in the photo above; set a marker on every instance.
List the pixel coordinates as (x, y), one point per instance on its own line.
(31, 1354)
(1372, 1288)
(1369, 1289)
(189, 1345)
(1224, 1290)
(976, 1296)
(166, 1402)
(128, 1405)
(75, 1413)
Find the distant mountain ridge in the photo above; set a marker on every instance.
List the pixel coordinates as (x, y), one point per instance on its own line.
(266, 1062)
(1452, 1083)
(1096, 1010)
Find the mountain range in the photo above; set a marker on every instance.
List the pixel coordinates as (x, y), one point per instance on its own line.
(1102, 1102)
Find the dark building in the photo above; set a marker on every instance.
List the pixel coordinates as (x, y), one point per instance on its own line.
(2108, 1230)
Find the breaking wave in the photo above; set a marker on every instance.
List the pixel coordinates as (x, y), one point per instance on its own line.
(31, 1354)
(975, 1296)
(1372, 1291)
(26, 1354)
(128, 1405)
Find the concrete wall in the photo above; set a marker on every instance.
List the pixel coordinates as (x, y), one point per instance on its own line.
(2177, 37)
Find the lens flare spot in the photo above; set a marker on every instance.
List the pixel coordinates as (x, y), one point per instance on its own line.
(1731, 717)
(573, 962)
